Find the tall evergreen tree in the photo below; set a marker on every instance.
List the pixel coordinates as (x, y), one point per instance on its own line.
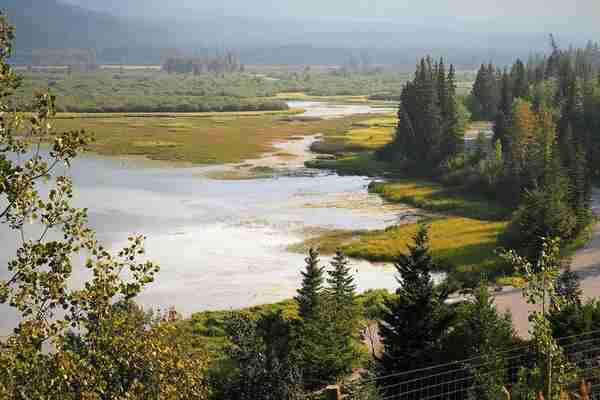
(429, 118)
(341, 282)
(453, 130)
(520, 81)
(482, 332)
(502, 122)
(486, 93)
(430, 128)
(328, 336)
(417, 318)
(310, 293)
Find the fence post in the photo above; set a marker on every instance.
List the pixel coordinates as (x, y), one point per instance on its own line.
(540, 396)
(584, 390)
(333, 393)
(506, 393)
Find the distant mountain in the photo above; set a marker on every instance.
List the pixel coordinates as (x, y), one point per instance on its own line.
(51, 31)
(50, 24)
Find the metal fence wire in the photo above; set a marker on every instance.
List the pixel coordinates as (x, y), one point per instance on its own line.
(478, 377)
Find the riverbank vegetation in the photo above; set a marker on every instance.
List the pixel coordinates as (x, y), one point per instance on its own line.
(197, 138)
(476, 221)
(536, 170)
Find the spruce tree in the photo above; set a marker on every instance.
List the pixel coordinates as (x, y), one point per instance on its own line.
(486, 93)
(502, 122)
(479, 94)
(519, 79)
(454, 130)
(310, 293)
(482, 332)
(328, 334)
(417, 317)
(341, 282)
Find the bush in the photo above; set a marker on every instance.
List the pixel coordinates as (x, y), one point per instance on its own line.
(544, 213)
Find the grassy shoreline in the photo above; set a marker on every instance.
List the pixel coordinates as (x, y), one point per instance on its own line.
(464, 227)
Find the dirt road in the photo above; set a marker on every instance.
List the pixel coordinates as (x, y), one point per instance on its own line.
(586, 263)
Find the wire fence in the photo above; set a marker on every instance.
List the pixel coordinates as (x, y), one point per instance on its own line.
(476, 377)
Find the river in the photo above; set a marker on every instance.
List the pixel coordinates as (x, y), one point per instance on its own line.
(223, 244)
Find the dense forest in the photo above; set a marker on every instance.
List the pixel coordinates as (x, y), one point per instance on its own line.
(543, 154)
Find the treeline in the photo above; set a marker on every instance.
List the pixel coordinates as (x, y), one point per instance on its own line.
(147, 91)
(361, 64)
(273, 356)
(487, 89)
(225, 64)
(432, 121)
(433, 349)
(543, 154)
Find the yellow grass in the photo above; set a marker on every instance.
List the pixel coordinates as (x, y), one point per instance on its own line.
(461, 244)
(203, 138)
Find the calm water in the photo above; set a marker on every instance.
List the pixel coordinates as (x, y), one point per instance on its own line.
(222, 244)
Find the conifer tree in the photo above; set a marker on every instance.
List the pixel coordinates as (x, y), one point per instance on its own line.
(328, 335)
(502, 122)
(429, 119)
(486, 93)
(453, 129)
(443, 88)
(520, 81)
(479, 94)
(430, 127)
(310, 293)
(481, 331)
(417, 318)
(341, 282)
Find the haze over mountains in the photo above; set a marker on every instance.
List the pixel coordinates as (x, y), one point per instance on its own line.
(299, 32)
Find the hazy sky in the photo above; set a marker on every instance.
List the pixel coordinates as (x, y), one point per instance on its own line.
(544, 11)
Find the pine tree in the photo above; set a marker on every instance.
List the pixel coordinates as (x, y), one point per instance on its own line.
(329, 326)
(341, 282)
(481, 331)
(486, 93)
(454, 131)
(502, 122)
(479, 93)
(443, 87)
(519, 79)
(310, 293)
(417, 318)
(429, 119)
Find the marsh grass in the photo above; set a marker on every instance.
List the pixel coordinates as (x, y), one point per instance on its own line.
(197, 139)
(365, 135)
(431, 196)
(460, 244)
(464, 232)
